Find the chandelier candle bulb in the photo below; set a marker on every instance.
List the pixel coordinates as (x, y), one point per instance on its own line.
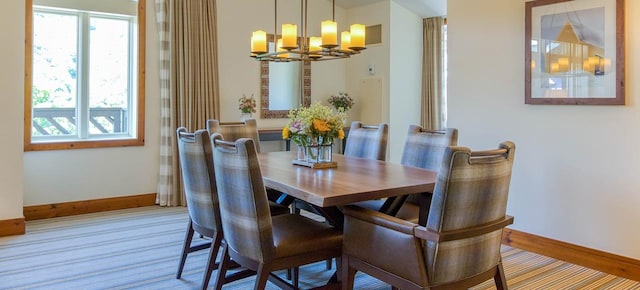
(314, 46)
(289, 36)
(345, 40)
(259, 42)
(357, 36)
(329, 34)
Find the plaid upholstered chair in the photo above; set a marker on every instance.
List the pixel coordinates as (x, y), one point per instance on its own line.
(253, 238)
(366, 141)
(424, 149)
(460, 245)
(196, 163)
(248, 128)
(232, 131)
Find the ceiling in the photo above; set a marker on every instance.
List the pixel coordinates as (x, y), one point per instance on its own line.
(424, 8)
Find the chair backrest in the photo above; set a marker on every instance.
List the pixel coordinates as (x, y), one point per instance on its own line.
(244, 208)
(232, 131)
(367, 141)
(471, 190)
(196, 165)
(425, 148)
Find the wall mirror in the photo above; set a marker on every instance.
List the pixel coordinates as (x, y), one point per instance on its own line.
(283, 86)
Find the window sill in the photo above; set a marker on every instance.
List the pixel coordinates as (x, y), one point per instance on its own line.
(67, 145)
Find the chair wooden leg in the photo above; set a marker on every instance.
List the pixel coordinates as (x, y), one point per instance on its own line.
(211, 263)
(292, 275)
(222, 270)
(338, 268)
(296, 275)
(185, 249)
(500, 278)
(261, 277)
(348, 274)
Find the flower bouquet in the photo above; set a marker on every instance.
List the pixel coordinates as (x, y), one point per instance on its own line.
(313, 130)
(342, 102)
(247, 105)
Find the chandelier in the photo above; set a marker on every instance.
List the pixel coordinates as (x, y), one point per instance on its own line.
(288, 46)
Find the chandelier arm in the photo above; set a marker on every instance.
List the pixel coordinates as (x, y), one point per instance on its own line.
(275, 27)
(305, 39)
(334, 11)
(302, 26)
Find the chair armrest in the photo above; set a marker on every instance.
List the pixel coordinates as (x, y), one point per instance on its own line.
(426, 234)
(374, 238)
(379, 219)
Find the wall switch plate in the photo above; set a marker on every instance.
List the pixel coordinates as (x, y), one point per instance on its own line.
(372, 69)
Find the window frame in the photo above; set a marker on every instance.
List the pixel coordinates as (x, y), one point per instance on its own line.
(137, 140)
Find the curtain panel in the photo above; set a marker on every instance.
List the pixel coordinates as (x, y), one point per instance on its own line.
(189, 89)
(432, 104)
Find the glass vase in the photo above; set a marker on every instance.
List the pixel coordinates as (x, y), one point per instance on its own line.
(244, 116)
(324, 154)
(312, 153)
(319, 150)
(301, 153)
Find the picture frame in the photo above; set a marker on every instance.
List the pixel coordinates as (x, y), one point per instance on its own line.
(574, 52)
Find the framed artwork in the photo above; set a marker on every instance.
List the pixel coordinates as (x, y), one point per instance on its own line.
(574, 52)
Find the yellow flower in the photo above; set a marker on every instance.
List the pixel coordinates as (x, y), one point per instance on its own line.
(285, 133)
(321, 125)
(340, 134)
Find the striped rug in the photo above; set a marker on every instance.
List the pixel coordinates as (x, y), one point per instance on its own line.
(139, 249)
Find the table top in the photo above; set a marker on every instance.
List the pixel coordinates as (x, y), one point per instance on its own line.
(355, 179)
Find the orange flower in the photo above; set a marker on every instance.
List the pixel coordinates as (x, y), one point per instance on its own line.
(321, 125)
(340, 134)
(285, 133)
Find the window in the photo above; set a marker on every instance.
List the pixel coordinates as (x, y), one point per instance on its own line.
(85, 88)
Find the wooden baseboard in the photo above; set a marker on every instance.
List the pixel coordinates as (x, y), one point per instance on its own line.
(87, 206)
(12, 227)
(598, 260)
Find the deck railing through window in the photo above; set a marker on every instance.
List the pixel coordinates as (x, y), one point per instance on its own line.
(62, 121)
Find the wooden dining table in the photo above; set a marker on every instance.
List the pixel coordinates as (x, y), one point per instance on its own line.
(353, 180)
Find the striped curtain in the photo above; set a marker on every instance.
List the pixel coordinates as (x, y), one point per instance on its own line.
(189, 91)
(433, 103)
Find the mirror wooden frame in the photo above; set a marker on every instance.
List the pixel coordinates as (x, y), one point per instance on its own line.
(614, 43)
(265, 112)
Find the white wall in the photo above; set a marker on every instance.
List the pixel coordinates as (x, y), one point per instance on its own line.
(575, 176)
(376, 55)
(405, 83)
(11, 113)
(71, 175)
